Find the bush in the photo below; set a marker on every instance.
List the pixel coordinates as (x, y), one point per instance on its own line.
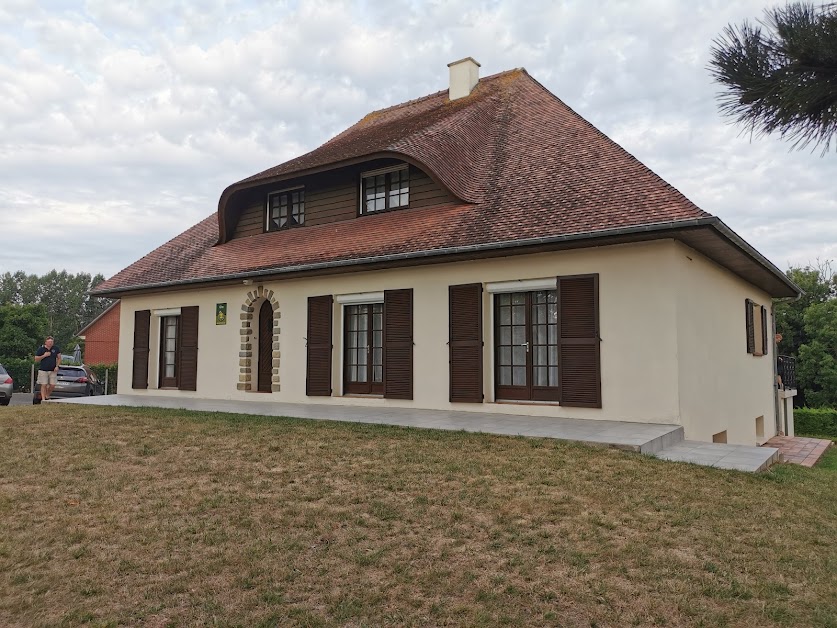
(815, 421)
(20, 370)
(112, 370)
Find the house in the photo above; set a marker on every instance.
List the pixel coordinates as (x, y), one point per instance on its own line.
(101, 337)
(483, 248)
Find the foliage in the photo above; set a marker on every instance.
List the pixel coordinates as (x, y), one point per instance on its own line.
(65, 299)
(112, 370)
(815, 422)
(817, 366)
(809, 332)
(21, 371)
(781, 74)
(22, 330)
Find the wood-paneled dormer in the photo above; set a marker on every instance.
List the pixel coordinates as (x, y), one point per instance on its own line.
(331, 196)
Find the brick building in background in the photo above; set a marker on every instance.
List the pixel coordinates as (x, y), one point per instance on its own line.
(101, 337)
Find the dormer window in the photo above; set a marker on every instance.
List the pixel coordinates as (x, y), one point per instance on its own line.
(285, 208)
(385, 189)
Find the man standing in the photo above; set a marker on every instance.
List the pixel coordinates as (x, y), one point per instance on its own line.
(49, 357)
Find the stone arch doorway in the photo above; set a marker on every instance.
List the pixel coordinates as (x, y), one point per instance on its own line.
(254, 344)
(265, 344)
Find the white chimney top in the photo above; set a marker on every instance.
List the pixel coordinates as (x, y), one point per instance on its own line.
(464, 76)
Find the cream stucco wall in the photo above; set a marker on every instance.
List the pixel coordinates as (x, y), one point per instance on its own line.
(638, 316)
(722, 387)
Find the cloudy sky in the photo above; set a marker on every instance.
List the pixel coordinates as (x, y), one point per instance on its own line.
(122, 122)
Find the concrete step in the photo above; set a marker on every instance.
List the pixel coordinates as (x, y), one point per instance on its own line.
(721, 455)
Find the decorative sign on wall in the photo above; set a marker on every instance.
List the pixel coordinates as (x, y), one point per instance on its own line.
(220, 313)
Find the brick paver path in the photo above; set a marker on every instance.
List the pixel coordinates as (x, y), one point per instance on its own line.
(799, 450)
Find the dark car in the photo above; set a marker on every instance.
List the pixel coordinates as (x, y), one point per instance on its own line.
(73, 381)
(6, 386)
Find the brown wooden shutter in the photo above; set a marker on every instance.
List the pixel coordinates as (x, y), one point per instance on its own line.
(142, 329)
(318, 342)
(751, 328)
(398, 344)
(465, 342)
(764, 330)
(188, 348)
(579, 361)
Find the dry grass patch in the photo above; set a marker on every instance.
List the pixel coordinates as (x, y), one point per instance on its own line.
(156, 517)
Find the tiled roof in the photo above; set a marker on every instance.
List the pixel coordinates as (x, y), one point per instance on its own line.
(523, 164)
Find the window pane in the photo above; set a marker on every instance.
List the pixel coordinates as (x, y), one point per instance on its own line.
(377, 339)
(518, 315)
(540, 376)
(540, 356)
(553, 376)
(505, 315)
(505, 376)
(553, 334)
(352, 373)
(518, 298)
(377, 356)
(377, 374)
(553, 356)
(505, 355)
(505, 335)
(540, 335)
(519, 334)
(519, 355)
(361, 373)
(519, 376)
(169, 370)
(504, 299)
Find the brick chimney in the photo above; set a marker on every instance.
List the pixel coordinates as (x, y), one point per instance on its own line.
(464, 76)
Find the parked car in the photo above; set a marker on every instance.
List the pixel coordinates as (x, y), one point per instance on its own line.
(73, 381)
(6, 386)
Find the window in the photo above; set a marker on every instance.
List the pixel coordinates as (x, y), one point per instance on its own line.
(526, 344)
(286, 209)
(756, 320)
(364, 342)
(546, 340)
(169, 329)
(381, 191)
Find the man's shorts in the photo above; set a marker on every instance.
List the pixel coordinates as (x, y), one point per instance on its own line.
(47, 377)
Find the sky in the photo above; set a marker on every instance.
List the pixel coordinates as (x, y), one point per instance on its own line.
(122, 122)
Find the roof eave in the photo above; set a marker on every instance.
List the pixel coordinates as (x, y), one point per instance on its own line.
(597, 238)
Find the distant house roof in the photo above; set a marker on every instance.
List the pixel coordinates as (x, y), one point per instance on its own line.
(80, 333)
(527, 172)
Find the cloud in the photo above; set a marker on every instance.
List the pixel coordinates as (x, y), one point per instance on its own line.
(121, 123)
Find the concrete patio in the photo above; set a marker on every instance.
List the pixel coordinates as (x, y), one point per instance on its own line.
(661, 440)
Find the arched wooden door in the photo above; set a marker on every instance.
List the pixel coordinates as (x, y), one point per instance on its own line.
(265, 346)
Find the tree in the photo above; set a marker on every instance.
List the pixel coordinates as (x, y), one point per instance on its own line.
(809, 332)
(22, 330)
(783, 80)
(818, 357)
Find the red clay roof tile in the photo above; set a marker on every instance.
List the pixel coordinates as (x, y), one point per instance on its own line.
(523, 163)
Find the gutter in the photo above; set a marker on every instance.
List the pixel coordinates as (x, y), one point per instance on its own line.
(710, 221)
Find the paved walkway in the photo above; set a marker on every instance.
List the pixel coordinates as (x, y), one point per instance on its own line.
(722, 455)
(661, 440)
(799, 450)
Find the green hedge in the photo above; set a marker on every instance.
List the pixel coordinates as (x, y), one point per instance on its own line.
(112, 370)
(815, 421)
(20, 370)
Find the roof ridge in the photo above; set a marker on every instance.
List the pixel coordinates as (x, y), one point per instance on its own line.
(415, 101)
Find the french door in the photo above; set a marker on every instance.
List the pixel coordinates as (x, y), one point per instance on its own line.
(526, 346)
(363, 366)
(169, 349)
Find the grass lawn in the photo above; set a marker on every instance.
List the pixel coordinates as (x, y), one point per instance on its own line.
(154, 517)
